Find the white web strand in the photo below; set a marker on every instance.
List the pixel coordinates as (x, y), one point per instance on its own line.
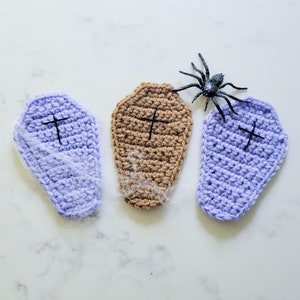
(36, 147)
(135, 182)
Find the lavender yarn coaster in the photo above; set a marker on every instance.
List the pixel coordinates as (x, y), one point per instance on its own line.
(239, 157)
(59, 142)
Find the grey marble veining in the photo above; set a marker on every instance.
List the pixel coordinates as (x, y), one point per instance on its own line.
(98, 52)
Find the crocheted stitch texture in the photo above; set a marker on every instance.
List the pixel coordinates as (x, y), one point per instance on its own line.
(235, 167)
(59, 142)
(150, 132)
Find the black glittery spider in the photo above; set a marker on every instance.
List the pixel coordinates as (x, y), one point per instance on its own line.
(210, 87)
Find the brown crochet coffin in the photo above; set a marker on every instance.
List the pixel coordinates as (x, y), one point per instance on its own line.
(150, 132)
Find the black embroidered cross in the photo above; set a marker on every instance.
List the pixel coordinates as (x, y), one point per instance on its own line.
(153, 120)
(55, 121)
(251, 134)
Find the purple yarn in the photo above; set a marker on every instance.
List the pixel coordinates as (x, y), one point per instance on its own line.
(232, 177)
(64, 156)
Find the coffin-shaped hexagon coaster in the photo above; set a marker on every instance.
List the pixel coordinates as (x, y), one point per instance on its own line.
(59, 142)
(239, 157)
(150, 131)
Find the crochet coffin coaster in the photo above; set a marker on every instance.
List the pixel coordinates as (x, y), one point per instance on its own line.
(150, 133)
(59, 142)
(239, 157)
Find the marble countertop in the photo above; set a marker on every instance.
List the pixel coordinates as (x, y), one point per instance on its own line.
(98, 52)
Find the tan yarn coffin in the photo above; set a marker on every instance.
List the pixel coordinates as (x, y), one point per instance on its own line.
(150, 132)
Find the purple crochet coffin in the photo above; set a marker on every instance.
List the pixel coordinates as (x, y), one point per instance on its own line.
(59, 143)
(239, 157)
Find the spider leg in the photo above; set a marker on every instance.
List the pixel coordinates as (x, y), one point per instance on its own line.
(199, 71)
(205, 65)
(228, 102)
(232, 97)
(186, 87)
(198, 95)
(218, 108)
(232, 85)
(206, 103)
(192, 75)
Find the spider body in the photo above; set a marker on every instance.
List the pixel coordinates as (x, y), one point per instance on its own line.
(210, 87)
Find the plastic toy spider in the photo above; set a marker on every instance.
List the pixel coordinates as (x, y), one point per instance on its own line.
(210, 87)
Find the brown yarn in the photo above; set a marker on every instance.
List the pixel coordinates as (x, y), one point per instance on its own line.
(150, 132)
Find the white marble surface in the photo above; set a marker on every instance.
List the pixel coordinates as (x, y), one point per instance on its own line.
(98, 52)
